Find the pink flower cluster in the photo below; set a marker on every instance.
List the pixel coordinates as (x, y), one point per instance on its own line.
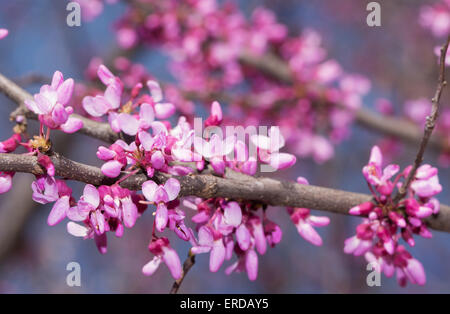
(223, 227)
(436, 17)
(50, 104)
(388, 220)
(206, 42)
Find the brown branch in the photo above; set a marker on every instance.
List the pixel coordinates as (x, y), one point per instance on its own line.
(91, 128)
(429, 125)
(187, 265)
(400, 128)
(234, 186)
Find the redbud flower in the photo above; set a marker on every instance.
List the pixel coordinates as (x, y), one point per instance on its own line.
(160, 195)
(3, 33)
(50, 104)
(5, 181)
(268, 149)
(163, 253)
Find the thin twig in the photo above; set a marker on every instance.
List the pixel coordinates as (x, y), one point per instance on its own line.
(429, 125)
(187, 265)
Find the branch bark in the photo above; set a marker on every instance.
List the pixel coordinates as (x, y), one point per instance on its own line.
(234, 186)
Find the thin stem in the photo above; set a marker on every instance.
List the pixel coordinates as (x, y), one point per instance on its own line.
(429, 125)
(187, 265)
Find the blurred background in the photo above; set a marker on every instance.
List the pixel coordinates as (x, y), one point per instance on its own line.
(397, 57)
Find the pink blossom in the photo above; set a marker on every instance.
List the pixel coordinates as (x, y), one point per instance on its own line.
(50, 104)
(305, 224)
(163, 253)
(160, 195)
(5, 182)
(268, 149)
(3, 33)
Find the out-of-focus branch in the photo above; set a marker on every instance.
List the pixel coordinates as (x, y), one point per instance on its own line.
(234, 186)
(400, 128)
(90, 127)
(430, 123)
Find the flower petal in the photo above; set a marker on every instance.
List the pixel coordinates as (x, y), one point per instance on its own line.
(59, 211)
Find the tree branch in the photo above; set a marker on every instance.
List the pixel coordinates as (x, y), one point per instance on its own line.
(234, 186)
(429, 125)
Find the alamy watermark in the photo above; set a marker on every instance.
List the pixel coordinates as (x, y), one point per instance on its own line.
(73, 279)
(374, 17)
(74, 17)
(373, 279)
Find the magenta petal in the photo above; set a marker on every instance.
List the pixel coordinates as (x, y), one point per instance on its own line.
(172, 261)
(150, 268)
(105, 75)
(101, 242)
(218, 165)
(72, 125)
(157, 160)
(251, 264)
(59, 114)
(5, 183)
(104, 153)
(415, 271)
(217, 255)
(318, 221)
(161, 217)
(3, 33)
(149, 190)
(32, 106)
(76, 229)
(243, 237)
(375, 156)
(164, 110)
(112, 168)
(147, 114)
(260, 239)
(308, 233)
(282, 160)
(216, 111)
(233, 214)
(57, 80)
(130, 212)
(172, 187)
(95, 106)
(65, 91)
(250, 166)
(128, 124)
(155, 90)
(113, 94)
(73, 213)
(44, 104)
(91, 195)
(59, 210)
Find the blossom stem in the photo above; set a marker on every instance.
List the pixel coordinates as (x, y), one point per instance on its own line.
(429, 125)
